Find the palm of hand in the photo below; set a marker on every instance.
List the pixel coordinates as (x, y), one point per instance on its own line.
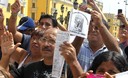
(7, 43)
(7, 47)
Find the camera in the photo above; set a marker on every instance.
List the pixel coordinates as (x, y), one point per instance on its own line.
(119, 11)
(95, 76)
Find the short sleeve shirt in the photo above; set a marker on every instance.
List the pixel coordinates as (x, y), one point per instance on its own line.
(86, 55)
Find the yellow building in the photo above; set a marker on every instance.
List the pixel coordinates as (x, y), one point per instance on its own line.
(38, 7)
(7, 11)
(113, 23)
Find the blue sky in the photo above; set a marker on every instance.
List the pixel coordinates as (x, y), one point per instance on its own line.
(112, 6)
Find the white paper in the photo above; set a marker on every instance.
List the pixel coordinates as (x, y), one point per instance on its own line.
(4, 3)
(122, 75)
(79, 23)
(22, 2)
(58, 60)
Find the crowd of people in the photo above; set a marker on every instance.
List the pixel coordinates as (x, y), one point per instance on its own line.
(27, 50)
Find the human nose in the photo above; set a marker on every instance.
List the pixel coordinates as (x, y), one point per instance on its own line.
(35, 40)
(47, 43)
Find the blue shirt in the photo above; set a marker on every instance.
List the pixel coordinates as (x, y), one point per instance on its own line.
(25, 43)
(86, 55)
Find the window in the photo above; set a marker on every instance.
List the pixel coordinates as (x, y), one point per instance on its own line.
(7, 20)
(8, 8)
(69, 0)
(115, 28)
(109, 20)
(33, 16)
(54, 5)
(33, 5)
(22, 9)
(42, 13)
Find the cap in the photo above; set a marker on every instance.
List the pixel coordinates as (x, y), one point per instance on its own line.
(25, 23)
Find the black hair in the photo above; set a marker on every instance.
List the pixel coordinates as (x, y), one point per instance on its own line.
(54, 21)
(126, 52)
(118, 60)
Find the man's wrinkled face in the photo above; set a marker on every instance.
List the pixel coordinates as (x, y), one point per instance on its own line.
(47, 43)
(94, 34)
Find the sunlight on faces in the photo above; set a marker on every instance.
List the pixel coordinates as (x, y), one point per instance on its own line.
(34, 44)
(47, 43)
(123, 33)
(94, 34)
(107, 66)
(45, 23)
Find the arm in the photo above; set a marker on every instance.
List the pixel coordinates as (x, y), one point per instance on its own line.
(7, 47)
(68, 52)
(19, 54)
(15, 8)
(77, 42)
(108, 39)
(122, 18)
(95, 7)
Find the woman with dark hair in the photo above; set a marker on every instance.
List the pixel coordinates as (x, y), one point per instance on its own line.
(110, 62)
(29, 56)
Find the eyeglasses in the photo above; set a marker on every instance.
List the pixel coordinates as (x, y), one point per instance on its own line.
(49, 41)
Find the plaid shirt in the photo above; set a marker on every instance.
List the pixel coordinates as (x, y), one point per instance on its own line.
(86, 55)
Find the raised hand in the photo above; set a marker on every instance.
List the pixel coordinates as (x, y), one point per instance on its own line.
(16, 7)
(69, 52)
(122, 18)
(7, 44)
(97, 18)
(91, 3)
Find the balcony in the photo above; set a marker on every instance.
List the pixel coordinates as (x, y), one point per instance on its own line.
(64, 1)
(33, 9)
(34, 0)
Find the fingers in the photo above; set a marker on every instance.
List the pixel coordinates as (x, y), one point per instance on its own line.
(15, 8)
(17, 45)
(6, 37)
(83, 7)
(16, 4)
(84, 75)
(107, 75)
(67, 47)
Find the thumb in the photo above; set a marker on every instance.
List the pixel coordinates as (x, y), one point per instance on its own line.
(17, 44)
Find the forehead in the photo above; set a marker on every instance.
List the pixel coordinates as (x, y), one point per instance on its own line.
(108, 65)
(46, 20)
(50, 33)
